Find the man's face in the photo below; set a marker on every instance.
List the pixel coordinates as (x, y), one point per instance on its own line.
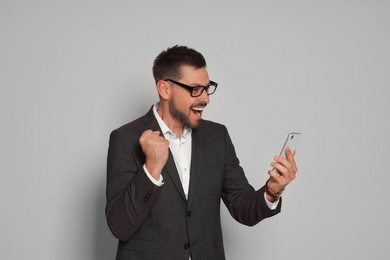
(187, 109)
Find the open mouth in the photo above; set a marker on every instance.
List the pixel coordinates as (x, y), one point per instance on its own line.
(198, 109)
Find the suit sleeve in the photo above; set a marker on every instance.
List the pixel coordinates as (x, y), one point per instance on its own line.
(130, 193)
(245, 204)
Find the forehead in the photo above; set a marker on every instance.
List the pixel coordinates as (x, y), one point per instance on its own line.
(191, 75)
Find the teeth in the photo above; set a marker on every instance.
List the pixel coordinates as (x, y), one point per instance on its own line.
(198, 108)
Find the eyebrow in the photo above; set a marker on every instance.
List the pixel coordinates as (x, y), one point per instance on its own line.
(199, 85)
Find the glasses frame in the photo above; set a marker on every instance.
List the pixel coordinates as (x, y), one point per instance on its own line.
(192, 88)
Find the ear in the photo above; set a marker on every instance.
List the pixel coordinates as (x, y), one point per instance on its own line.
(164, 89)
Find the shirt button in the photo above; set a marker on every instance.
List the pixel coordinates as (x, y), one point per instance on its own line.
(186, 246)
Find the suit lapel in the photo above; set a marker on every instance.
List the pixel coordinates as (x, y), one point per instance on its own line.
(170, 170)
(197, 158)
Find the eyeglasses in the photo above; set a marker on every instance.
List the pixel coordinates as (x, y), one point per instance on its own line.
(197, 90)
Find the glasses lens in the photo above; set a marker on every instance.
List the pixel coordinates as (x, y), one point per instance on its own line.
(197, 91)
(211, 89)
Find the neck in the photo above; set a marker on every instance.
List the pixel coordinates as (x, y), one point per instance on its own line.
(172, 122)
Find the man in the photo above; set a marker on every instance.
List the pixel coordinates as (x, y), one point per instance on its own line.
(168, 171)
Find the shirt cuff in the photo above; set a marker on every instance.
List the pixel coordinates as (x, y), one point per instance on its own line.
(271, 205)
(158, 182)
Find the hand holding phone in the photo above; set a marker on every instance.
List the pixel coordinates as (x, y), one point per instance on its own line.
(275, 184)
(291, 142)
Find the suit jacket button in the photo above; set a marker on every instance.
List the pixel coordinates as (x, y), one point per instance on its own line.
(186, 246)
(189, 213)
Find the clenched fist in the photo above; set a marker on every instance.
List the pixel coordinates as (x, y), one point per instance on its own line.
(155, 148)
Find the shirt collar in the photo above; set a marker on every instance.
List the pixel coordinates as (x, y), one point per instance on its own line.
(164, 128)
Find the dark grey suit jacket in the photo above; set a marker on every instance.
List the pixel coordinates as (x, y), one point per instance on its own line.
(159, 223)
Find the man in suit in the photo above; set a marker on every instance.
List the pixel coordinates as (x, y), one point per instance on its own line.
(168, 170)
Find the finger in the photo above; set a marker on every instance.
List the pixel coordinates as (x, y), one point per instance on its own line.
(280, 169)
(291, 159)
(288, 151)
(149, 133)
(146, 134)
(283, 161)
(289, 155)
(274, 174)
(277, 179)
(285, 168)
(152, 134)
(166, 142)
(288, 162)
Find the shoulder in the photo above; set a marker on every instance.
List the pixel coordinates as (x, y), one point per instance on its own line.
(132, 131)
(131, 126)
(215, 131)
(210, 125)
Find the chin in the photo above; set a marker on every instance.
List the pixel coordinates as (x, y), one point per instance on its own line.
(193, 125)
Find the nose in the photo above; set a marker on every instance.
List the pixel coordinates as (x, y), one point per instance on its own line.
(204, 97)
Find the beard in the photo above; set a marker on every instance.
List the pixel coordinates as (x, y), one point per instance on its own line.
(183, 118)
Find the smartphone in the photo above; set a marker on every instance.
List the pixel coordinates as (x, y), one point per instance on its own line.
(292, 141)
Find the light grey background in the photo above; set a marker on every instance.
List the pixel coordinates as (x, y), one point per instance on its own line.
(72, 71)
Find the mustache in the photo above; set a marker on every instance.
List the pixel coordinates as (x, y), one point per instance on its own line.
(200, 104)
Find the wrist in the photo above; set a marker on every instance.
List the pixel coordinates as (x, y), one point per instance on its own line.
(271, 194)
(154, 172)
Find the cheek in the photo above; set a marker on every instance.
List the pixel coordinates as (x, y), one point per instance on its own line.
(184, 106)
(183, 102)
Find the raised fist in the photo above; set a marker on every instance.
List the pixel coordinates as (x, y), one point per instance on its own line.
(155, 148)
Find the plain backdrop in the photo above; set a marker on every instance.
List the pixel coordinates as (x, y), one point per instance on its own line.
(72, 71)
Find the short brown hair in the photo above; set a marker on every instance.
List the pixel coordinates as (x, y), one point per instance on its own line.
(167, 64)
